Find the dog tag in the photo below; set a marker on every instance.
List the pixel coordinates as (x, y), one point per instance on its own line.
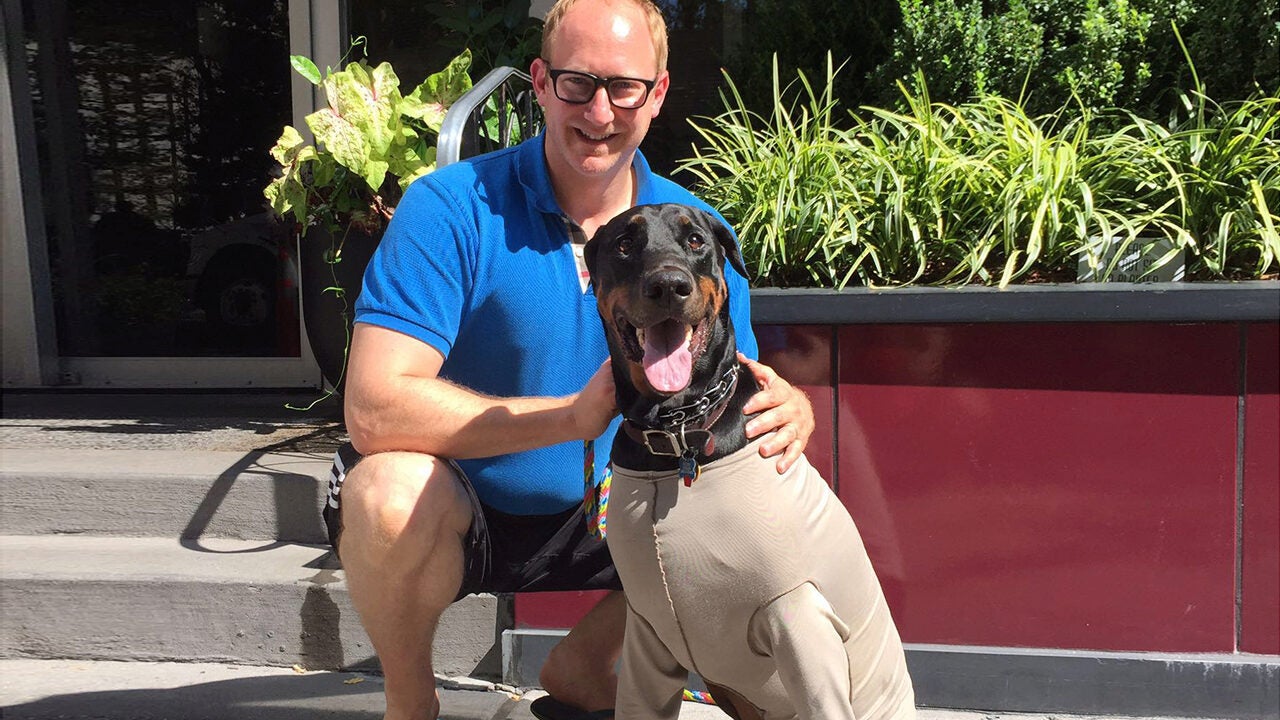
(689, 469)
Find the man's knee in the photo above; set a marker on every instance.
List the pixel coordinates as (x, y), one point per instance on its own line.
(388, 494)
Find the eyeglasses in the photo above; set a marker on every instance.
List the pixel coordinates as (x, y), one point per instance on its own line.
(577, 88)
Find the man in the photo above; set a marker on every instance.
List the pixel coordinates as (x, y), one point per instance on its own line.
(475, 371)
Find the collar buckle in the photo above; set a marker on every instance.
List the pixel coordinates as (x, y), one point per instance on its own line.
(673, 444)
(669, 443)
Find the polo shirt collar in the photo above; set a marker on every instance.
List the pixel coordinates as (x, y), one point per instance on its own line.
(531, 168)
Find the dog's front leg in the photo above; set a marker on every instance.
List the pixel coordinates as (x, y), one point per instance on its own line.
(805, 638)
(650, 682)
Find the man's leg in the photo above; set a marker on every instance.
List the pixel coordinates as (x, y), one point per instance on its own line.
(580, 669)
(404, 518)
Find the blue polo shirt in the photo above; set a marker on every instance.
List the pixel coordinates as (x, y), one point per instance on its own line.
(478, 263)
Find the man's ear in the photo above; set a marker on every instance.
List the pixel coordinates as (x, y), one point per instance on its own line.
(728, 244)
(659, 93)
(541, 80)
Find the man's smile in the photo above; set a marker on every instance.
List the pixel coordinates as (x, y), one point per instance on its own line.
(603, 137)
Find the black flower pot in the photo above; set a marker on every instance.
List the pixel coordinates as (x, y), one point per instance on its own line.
(326, 313)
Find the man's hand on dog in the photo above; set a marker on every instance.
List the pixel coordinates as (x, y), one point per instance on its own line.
(596, 405)
(784, 411)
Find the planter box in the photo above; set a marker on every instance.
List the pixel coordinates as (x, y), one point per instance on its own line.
(1101, 302)
(1071, 493)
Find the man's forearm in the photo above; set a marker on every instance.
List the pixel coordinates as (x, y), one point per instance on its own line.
(434, 416)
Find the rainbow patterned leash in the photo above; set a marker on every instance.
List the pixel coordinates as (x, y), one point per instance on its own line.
(699, 696)
(595, 500)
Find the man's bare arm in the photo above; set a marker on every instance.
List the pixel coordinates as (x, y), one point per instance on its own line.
(396, 401)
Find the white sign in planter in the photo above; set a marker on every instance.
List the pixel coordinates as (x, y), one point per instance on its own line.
(1119, 259)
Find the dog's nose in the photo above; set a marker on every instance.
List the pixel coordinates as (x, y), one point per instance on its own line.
(667, 285)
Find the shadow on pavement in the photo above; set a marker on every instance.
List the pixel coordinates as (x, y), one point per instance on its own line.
(336, 696)
(281, 697)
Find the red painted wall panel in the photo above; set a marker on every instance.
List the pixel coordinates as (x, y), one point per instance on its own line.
(1089, 507)
(1260, 573)
(803, 355)
(554, 610)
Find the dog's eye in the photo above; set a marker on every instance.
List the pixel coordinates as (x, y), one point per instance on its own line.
(624, 245)
(695, 241)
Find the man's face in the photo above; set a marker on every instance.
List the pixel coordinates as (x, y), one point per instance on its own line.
(607, 38)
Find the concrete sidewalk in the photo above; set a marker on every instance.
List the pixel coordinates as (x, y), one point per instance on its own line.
(102, 690)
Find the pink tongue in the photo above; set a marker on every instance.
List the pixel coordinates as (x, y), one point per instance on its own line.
(667, 360)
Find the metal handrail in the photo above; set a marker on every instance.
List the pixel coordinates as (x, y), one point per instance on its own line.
(463, 130)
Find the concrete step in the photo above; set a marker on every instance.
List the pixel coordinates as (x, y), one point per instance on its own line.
(164, 493)
(171, 420)
(207, 600)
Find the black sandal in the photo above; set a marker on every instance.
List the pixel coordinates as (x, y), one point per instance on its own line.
(549, 708)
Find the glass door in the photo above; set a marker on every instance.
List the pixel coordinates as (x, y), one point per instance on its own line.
(152, 121)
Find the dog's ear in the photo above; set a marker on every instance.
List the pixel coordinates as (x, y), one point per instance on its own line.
(729, 245)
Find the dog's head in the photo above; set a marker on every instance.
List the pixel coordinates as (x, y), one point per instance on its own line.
(658, 272)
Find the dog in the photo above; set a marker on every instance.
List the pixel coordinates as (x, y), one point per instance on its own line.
(755, 580)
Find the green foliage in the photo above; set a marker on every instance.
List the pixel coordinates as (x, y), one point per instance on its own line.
(1235, 46)
(783, 182)
(1090, 54)
(500, 31)
(983, 191)
(1094, 54)
(1048, 53)
(371, 143)
(418, 36)
(800, 34)
(1226, 167)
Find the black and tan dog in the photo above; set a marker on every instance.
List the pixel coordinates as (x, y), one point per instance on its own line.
(757, 581)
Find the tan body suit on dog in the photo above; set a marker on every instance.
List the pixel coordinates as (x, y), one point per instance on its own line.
(724, 578)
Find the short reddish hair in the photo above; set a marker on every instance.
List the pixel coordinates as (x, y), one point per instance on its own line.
(657, 26)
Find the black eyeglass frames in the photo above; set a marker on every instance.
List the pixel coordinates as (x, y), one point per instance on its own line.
(577, 88)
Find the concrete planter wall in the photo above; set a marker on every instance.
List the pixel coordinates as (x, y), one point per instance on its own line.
(1071, 493)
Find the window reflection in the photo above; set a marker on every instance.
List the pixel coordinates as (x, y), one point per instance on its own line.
(153, 122)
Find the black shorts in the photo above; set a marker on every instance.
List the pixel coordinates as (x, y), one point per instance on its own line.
(506, 553)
